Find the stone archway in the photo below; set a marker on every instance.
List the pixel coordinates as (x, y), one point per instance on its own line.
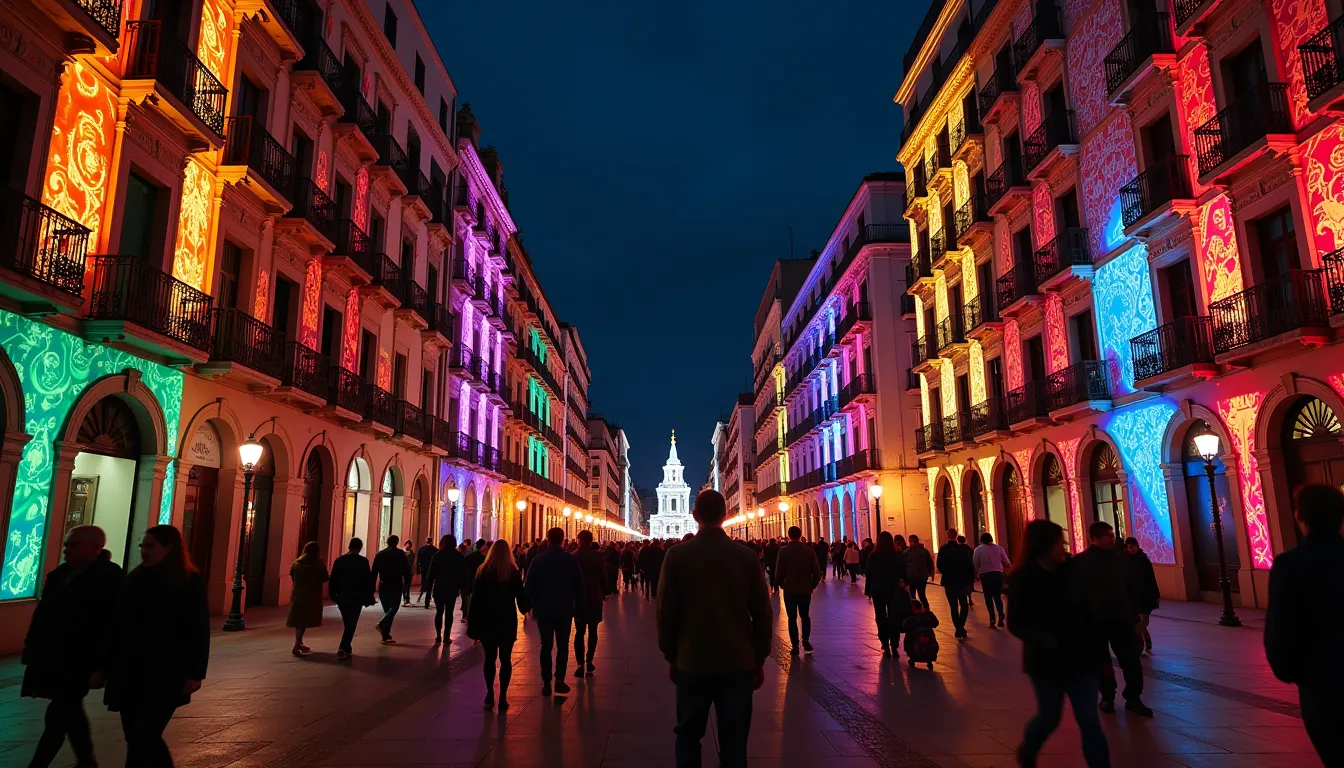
(470, 513)
(1011, 495)
(13, 442)
(487, 513)
(946, 507)
(1274, 448)
(973, 500)
(391, 508)
(422, 523)
(1312, 446)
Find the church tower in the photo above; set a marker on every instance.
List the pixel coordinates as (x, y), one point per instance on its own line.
(673, 519)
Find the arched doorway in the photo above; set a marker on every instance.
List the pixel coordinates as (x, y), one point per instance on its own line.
(488, 512)
(947, 508)
(310, 506)
(1012, 495)
(390, 508)
(259, 523)
(1054, 495)
(975, 508)
(423, 526)
(199, 518)
(469, 513)
(1203, 539)
(1313, 452)
(1108, 490)
(103, 487)
(851, 519)
(355, 517)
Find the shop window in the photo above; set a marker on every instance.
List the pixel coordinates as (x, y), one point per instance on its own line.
(1108, 492)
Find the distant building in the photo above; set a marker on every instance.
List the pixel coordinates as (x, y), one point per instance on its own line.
(673, 519)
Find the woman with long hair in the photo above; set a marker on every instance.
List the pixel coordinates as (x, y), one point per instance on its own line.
(309, 573)
(884, 584)
(1060, 651)
(496, 601)
(159, 648)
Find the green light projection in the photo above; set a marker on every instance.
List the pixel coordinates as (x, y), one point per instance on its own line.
(54, 368)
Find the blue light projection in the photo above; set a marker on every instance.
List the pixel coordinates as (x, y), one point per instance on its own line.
(1122, 296)
(1138, 431)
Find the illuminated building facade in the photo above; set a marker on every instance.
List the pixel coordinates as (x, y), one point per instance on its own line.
(1127, 218)
(607, 472)
(736, 460)
(673, 519)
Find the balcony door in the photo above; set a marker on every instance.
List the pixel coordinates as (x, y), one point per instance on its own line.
(1203, 540)
(332, 327)
(351, 76)
(1054, 104)
(230, 270)
(142, 216)
(1084, 336)
(1035, 362)
(252, 101)
(1159, 141)
(175, 16)
(301, 147)
(1181, 301)
(1278, 244)
(1012, 158)
(1243, 72)
(368, 360)
(963, 397)
(285, 308)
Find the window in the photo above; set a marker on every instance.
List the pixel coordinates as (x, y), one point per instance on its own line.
(18, 108)
(1084, 336)
(390, 24)
(301, 147)
(1278, 244)
(1243, 72)
(1180, 291)
(368, 359)
(1035, 359)
(139, 232)
(420, 74)
(230, 265)
(251, 101)
(332, 326)
(1022, 249)
(1108, 493)
(443, 117)
(284, 308)
(399, 376)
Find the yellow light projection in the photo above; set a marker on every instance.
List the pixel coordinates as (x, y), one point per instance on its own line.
(940, 297)
(933, 500)
(935, 212)
(919, 315)
(961, 184)
(986, 467)
(955, 113)
(955, 470)
(969, 280)
(263, 295)
(977, 372)
(191, 251)
(949, 388)
(76, 177)
(924, 398)
(216, 36)
(914, 241)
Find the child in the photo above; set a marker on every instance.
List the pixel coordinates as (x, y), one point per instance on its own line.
(921, 645)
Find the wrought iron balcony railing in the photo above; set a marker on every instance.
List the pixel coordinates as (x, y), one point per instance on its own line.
(1170, 347)
(1323, 59)
(1186, 9)
(1334, 279)
(295, 14)
(388, 275)
(1016, 284)
(1068, 249)
(391, 154)
(242, 339)
(974, 211)
(929, 438)
(950, 332)
(1029, 401)
(416, 299)
(859, 385)
(1005, 177)
(347, 390)
(441, 319)
(249, 144)
(966, 127)
(1056, 129)
(381, 406)
(314, 206)
(156, 55)
(1254, 115)
(318, 57)
(306, 370)
(1146, 37)
(39, 242)
(126, 288)
(987, 416)
(353, 243)
(1166, 180)
(1294, 301)
(358, 111)
(1046, 24)
(862, 460)
(858, 312)
(954, 429)
(1004, 80)
(105, 13)
(411, 421)
(1082, 382)
(980, 309)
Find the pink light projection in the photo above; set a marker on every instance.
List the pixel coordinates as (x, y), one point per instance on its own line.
(1337, 383)
(1023, 458)
(1002, 248)
(1238, 413)
(1030, 119)
(1106, 164)
(1021, 20)
(1089, 42)
(1323, 160)
(1043, 211)
(1012, 354)
(361, 204)
(1219, 259)
(323, 163)
(1197, 102)
(1068, 450)
(1295, 21)
(350, 332)
(312, 304)
(1056, 337)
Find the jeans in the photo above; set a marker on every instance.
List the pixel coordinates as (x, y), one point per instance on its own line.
(424, 596)
(1322, 712)
(919, 591)
(406, 591)
(956, 601)
(554, 633)
(1125, 642)
(992, 583)
(853, 573)
(350, 619)
(652, 578)
(794, 605)
(581, 627)
(1082, 693)
(882, 616)
(1147, 639)
(65, 718)
(504, 653)
(143, 728)
(443, 614)
(391, 602)
(730, 694)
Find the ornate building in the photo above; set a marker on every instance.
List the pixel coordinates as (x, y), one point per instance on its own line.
(673, 518)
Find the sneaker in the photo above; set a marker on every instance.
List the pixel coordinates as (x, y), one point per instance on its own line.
(342, 655)
(591, 667)
(578, 672)
(545, 689)
(305, 648)
(561, 687)
(807, 647)
(406, 604)
(438, 639)
(793, 651)
(503, 703)
(1003, 622)
(1139, 708)
(1108, 706)
(389, 641)
(489, 700)
(296, 651)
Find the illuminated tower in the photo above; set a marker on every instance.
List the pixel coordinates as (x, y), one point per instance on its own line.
(673, 519)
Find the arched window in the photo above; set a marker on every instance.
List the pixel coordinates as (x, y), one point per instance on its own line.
(1014, 508)
(1313, 451)
(1056, 499)
(1108, 492)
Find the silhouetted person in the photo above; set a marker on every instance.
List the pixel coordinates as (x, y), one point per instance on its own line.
(1304, 628)
(409, 549)
(956, 565)
(63, 652)
(493, 617)
(1146, 592)
(918, 569)
(390, 572)
(308, 573)
(714, 630)
(798, 571)
(350, 588)
(770, 556)
(555, 585)
(471, 564)
(823, 553)
(596, 584)
(653, 565)
(423, 558)
(447, 572)
(1107, 585)
(884, 584)
(991, 563)
(159, 648)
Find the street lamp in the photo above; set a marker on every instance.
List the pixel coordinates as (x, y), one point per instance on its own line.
(876, 492)
(521, 506)
(1207, 443)
(453, 495)
(567, 513)
(249, 453)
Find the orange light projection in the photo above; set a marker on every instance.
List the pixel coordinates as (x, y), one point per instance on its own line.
(312, 304)
(191, 252)
(1023, 458)
(216, 37)
(1068, 449)
(76, 178)
(263, 299)
(384, 369)
(361, 211)
(1221, 262)
(1323, 160)
(350, 334)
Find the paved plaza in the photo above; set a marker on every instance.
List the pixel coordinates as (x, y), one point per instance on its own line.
(414, 704)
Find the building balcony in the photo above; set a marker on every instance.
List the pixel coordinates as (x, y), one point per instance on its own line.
(1334, 279)
(42, 253)
(347, 396)
(768, 452)
(998, 92)
(1084, 386)
(988, 420)
(1066, 258)
(930, 171)
(418, 191)
(380, 411)
(352, 255)
(938, 249)
(926, 352)
(857, 320)
(319, 74)
(968, 138)
(1028, 406)
(1006, 188)
(149, 310)
(917, 189)
(956, 431)
(1147, 48)
(1044, 33)
(246, 351)
(186, 91)
(1017, 289)
(772, 492)
(1323, 65)
(412, 429)
(981, 316)
(439, 217)
(253, 156)
(861, 390)
(974, 227)
(942, 157)
(1160, 192)
(463, 275)
(91, 26)
(951, 336)
(359, 122)
(438, 330)
(305, 377)
(393, 167)
(415, 305)
(441, 435)
(1288, 309)
(1189, 13)
(802, 428)
(919, 273)
(469, 450)
(312, 220)
(1053, 140)
(1174, 355)
(1259, 120)
(284, 21)
(464, 362)
(388, 283)
(911, 382)
(907, 302)
(862, 460)
(929, 441)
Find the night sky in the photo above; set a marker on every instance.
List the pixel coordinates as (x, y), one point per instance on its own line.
(656, 154)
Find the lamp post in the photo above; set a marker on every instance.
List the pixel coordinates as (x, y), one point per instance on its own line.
(875, 491)
(249, 453)
(783, 513)
(567, 512)
(1207, 444)
(453, 495)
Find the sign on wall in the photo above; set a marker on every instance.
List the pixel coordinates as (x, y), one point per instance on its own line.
(204, 449)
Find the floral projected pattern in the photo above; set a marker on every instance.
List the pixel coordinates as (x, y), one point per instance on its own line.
(312, 304)
(263, 300)
(1068, 451)
(1056, 337)
(1023, 459)
(1197, 101)
(1043, 213)
(961, 184)
(1137, 433)
(1238, 413)
(76, 178)
(384, 369)
(933, 501)
(323, 163)
(216, 36)
(1088, 43)
(1323, 158)
(1123, 299)
(1337, 383)
(1012, 354)
(192, 249)
(940, 297)
(986, 466)
(1002, 247)
(350, 333)
(977, 371)
(1297, 20)
(1218, 249)
(956, 470)
(1030, 118)
(361, 204)
(54, 368)
(1106, 165)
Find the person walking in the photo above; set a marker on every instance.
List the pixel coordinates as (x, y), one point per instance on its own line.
(447, 573)
(497, 599)
(799, 572)
(991, 563)
(1107, 586)
(1146, 592)
(1061, 652)
(410, 571)
(423, 558)
(918, 569)
(865, 552)
(714, 630)
(62, 652)
(555, 586)
(1304, 625)
(884, 584)
(852, 562)
(652, 567)
(771, 557)
(350, 588)
(823, 553)
(628, 566)
(390, 571)
(159, 647)
(957, 568)
(308, 574)
(470, 565)
(593, 566)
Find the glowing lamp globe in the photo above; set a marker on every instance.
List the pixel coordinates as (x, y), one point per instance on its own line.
(875, 491)
(521, 505)
(1207, 443)
(783, 506)
(454, 495)
(567, 511)
(249, 453)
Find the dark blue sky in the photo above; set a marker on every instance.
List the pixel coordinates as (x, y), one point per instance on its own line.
(656, 153)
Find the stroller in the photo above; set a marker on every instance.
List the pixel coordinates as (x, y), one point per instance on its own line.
(921, 645)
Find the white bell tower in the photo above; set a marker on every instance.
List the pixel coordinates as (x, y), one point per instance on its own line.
(673, 519)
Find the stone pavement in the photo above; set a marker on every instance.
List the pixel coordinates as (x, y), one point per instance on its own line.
(413, 704)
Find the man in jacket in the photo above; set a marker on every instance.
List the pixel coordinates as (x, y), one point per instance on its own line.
(651, 565)
(714, 630)
(390, 572)
(956, 564)
(422, 560)
(471, 564)
(446, 575)
(918, 569)
(1107, 588)
(1146, 592)
(798, 572)
(555, 586)
(1304, 626)
(823, 551)
(63, 651)
(593, 564)
(350, 588)
(771, 557)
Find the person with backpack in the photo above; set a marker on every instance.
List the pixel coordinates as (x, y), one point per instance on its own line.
(957, 566)
(921, 644)
(918, 569)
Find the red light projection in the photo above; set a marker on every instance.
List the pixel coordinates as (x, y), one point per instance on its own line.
(1043, 210)
(1323, 161)
(350, 333)
(1056, 338)
(216, 37)
(1090, 40)
(1238, 413)
(384, 370)
(1002, 248)
(1023, 458)
(1218, 250)
(1295, 21)
(322, 166)
(1197, 102)
(1068, 450)
(1031, 108)
(361, 212)
(1012, 354)
(312, 304)
(263, 300)
(76, 178)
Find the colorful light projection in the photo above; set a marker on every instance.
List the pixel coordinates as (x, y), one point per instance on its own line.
(1336, 383)
(1238, 414)
(1043, 214)
(1197, 101)
(361, 204)
(934, 522)
(961, 184)
(1056, 334)
(924, 397)
(956, 471)
(1323, 159)
(54, 368)
(1068, 451)
(1030, 118)
(1137, 431)
(1003, 252)
(385, 369)
(1106, 164)
(1090, 40)
(191, 251)
(976, 369)
(1023, 459)
(986, 466)
(1296, 21)
(263, 301)
(78, 162)
(350, 332)
(1122, 298)
(323, 166)
(940, 309)
(216, 38)
(1219, 259)
(312, 304)
(1012, 354)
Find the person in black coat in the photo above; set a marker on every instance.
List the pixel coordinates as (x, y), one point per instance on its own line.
(470, 565)
(423, 558)
(1061, 650)
(351, 588)
(493, 618)
(956, 565)
(884, 584)
(159, 645)
(555, 584)
(1107, 587)
(447, 576)
(62, 652)
(651, 566)
(390, 573)
(1146, 592)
